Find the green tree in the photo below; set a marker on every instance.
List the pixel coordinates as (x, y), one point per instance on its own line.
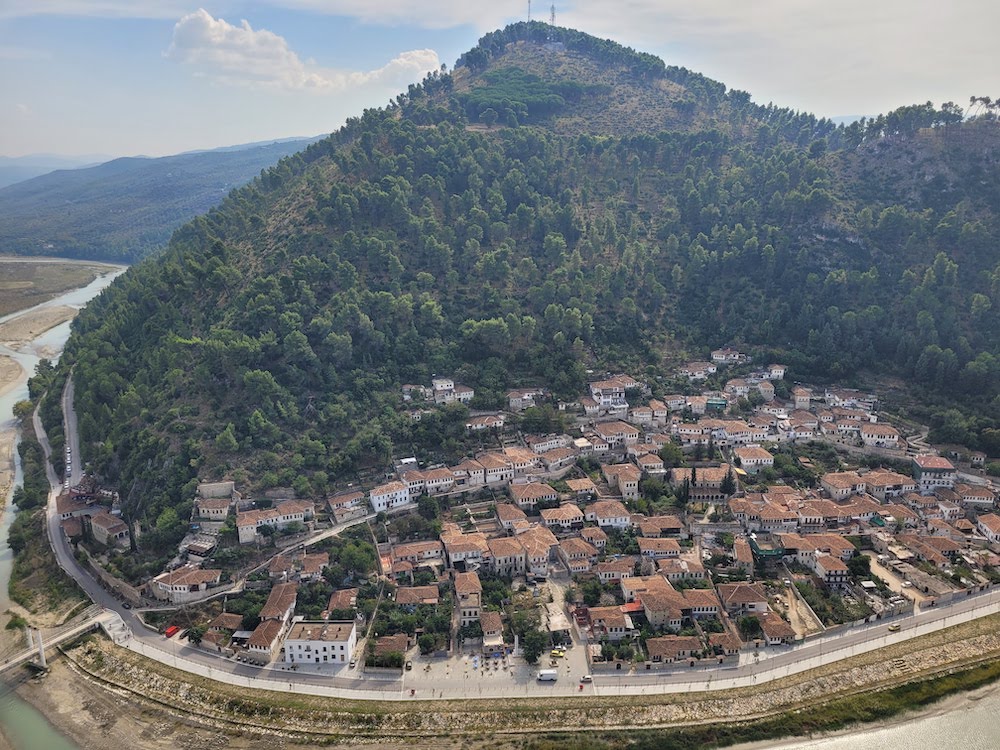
(591, 591)
(489, 117)
(534, 643)
(671, 455)
(749, 627)
(860, 567)
(195, 634)
(23, 410)
(728, 484)
(226, 441)
(426, 643)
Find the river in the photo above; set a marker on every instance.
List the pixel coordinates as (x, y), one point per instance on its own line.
(22, 726)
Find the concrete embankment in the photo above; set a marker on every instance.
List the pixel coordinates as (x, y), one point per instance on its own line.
(154, 687)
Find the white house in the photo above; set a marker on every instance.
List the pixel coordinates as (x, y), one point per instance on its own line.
(320, 642)
(753, 458)
(609, 514)
(249, 524)
(989, 526)
(879, 436)
(387, 496)
(184, 584)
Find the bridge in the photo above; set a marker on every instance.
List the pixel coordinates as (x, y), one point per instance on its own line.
(90, 619)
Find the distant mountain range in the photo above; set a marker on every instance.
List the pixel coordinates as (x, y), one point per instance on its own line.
(18, 168)
(125, 208)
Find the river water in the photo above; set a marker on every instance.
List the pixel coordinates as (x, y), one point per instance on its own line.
(21, 725)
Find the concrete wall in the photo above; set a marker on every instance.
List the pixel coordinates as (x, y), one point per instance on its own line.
(129, 593)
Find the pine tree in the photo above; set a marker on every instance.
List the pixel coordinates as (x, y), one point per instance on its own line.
(728, 486)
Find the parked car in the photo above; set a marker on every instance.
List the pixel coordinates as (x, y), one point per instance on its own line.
(409, 665)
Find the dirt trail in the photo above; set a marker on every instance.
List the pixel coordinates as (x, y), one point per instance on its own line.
(801, 620)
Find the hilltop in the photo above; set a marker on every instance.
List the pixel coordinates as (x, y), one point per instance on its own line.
(269, 341)
(125, 208)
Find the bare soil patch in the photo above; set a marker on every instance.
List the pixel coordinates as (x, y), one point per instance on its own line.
(30, 325)
(11, 373)
(29, 282)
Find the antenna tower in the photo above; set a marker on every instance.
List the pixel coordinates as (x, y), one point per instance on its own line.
(552, 15)
(529, 11)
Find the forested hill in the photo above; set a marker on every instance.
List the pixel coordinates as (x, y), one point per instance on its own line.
(125, 208)
(269, 341)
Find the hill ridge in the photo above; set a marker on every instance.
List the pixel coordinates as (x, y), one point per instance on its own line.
(269, 341)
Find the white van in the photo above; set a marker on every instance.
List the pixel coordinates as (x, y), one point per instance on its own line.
(547, 675)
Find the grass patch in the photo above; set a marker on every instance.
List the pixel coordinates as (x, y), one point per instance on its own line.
(37, 582)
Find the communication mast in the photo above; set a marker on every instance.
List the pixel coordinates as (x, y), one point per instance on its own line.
(552, 15)
(529, 11)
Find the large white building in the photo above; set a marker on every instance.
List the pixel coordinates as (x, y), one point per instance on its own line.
(391, 495)
(320, 642)
(932, 472)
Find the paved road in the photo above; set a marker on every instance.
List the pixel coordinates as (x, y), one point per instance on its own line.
(443, 681)
(72, 434)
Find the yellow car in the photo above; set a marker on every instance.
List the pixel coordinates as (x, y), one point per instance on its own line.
(558, 653)
(894, 628)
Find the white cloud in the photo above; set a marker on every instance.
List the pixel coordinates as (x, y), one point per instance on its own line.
(247, 56)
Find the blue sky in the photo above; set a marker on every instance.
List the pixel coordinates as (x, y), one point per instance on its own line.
(123, 77)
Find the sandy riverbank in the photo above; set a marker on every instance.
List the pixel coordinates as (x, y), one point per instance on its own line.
(11, 374)
(7, 438)
(30, 325)
(950, 705)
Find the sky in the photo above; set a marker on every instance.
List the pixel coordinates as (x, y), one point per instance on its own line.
(156, 77)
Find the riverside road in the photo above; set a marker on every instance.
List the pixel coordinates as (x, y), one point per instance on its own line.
(459, 677)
